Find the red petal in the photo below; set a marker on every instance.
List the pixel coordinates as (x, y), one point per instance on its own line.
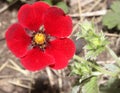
(62, 50)
(60, 59)
(36, 60)
(57, 23)
(31, 16)
(17, 40)
(66, 46)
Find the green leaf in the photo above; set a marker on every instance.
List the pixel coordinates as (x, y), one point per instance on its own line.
(63, 6)
(81, 69)
(9, 1)
(95, 42)
(48, 1)
(111, 86)
(91, 86)
(116, 6)
(112, 18)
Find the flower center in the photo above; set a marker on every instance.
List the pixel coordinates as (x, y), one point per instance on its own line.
(40, 38)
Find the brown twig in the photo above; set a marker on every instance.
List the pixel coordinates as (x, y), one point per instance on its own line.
(50, 76)
(80, 10)
(112, 35)
(94, 5)
(3, 66)
(86, 2)
(7, 6)
(18, 82)
(1, 39)
(90, 14)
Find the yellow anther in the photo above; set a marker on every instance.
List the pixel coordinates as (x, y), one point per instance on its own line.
(39, 38)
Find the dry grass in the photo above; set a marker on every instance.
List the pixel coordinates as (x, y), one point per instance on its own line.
(13, 75)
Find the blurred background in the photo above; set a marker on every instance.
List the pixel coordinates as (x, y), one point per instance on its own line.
(15, 79)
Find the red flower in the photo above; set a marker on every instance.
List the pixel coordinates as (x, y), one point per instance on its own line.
(39, 38)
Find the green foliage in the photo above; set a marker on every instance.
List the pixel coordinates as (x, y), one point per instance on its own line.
(111, 86)
(95, 42)
(81, 69)
(9, 1)
(91, 86)
(89, 70)
(63, 6)
(48, 1)
(112, 18)
(87, 82)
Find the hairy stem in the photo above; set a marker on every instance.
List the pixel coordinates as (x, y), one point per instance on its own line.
(100, 69)
(112, 53)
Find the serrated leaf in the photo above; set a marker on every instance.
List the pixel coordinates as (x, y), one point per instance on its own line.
(81, 69)
(112, 18)
(91, 86)
(63, 6)
(116, 6)
(96, 42)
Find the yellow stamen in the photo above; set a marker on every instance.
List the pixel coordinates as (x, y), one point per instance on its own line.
(40, 38)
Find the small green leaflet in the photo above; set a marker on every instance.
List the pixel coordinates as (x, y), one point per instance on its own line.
(91, 86)
(96, 42)
(112, 18)
(63, 6)
(48, 1)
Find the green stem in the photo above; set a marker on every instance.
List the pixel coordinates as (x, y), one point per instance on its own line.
(102, 70)
(112, 53)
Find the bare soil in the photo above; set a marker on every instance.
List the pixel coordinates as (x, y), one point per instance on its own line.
(15, 79)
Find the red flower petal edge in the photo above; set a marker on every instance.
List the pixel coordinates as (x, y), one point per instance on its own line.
(57, 23)
(62, 50)
(31, 16)
(61, 60)
(17, 40)
(36, 60)
(65, 46)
